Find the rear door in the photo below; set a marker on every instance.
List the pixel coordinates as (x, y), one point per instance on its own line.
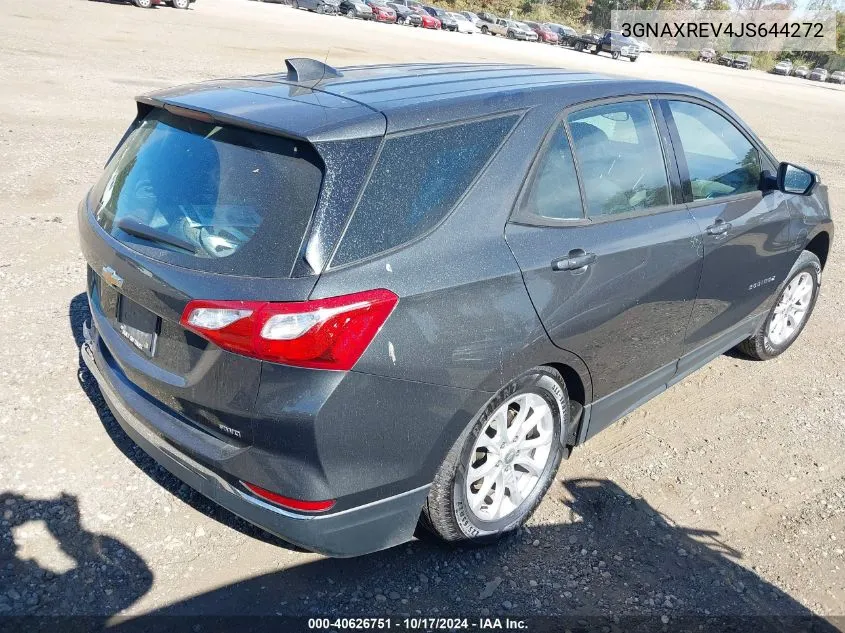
(611, 260)
(745, 231)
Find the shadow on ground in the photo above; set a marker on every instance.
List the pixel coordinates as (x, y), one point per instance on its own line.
(612, 555)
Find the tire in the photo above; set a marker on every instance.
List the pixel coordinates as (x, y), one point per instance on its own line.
(485, 30)
(595, 51)
(510, 35)
(769, 341)
(633, 59)
(181, 4)
(614, 55)
(447, 511)
(144, 4)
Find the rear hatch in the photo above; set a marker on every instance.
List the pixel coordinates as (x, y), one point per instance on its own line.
(190, 209)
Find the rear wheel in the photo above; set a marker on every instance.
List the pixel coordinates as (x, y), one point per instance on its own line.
(510, 35)
(181, 4)
(501, 466)
(790, 313)
(144, 4)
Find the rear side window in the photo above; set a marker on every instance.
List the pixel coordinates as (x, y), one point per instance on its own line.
(553, 192)
(721, 161)
(208, 197)
(620, 158)
(417, 180)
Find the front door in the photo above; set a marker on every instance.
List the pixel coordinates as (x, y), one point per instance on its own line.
(611, 266)
(745, 231)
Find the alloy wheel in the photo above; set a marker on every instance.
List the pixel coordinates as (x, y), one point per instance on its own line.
(509, 456)
(791, 309)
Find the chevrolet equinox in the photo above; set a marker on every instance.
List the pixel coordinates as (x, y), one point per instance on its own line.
(343, 302)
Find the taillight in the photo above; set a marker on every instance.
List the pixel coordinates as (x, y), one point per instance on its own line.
(287, 502)
(322, 334)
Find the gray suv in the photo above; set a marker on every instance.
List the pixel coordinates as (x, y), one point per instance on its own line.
(341, 302)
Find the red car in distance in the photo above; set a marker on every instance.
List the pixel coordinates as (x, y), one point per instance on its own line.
(428, 21)
(381, 11)
(544, 33)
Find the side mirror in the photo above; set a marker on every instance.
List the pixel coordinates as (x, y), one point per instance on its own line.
(794, 179)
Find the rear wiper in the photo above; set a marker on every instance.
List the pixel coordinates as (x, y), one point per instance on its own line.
(137, 229)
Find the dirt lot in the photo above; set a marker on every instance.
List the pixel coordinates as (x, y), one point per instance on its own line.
(724, 495)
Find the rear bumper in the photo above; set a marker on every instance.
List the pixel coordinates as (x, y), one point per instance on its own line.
(351, 532)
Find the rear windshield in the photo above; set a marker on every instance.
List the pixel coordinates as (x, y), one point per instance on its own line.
(209, 197)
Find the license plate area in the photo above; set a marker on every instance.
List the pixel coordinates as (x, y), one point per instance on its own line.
(137, 325)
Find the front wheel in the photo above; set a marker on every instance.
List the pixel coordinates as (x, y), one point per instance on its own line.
(614, 55)
(144, 4)
(181, 4)
(485, 30)
(790, 313)
(501, 466)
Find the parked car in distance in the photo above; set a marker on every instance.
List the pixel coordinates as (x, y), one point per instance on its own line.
(726, 59)
(587, 41)
(176, 4)
(447, 22)
(566, 35)
(544, 33)
(706, 55)
(743, 62)
(818, 74)
(612, 42)
(356, 9)
(464, 23)
(489, 24)
(521, 31)
(427, 21)
(469, 15)
(405, 14)
(783, 68)
(802, 72)
(328, 7)
(382, 12)
(336, 366)
(837, 77)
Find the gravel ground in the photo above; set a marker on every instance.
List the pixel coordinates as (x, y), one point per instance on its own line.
(725, 495)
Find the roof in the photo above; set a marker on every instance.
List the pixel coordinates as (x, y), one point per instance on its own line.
(371, 100)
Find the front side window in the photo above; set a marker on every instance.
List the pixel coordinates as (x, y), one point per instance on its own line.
(721, 161)
(553, 191)
(620, 158)
(417, 180)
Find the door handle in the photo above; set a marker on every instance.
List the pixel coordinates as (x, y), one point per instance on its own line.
(718, 228)
(576, 260)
